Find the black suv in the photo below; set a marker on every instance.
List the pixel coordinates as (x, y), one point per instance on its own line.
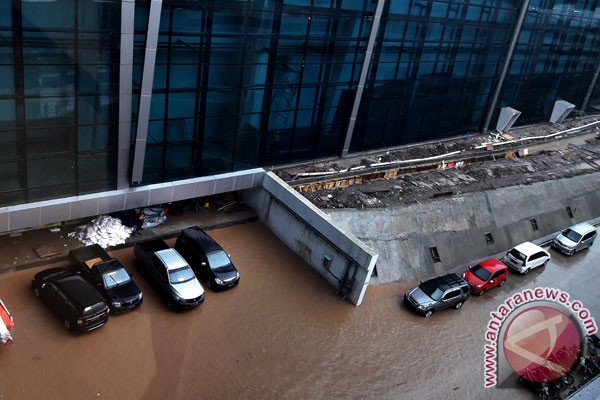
(207, 258)
(435, 294)
(72, 298)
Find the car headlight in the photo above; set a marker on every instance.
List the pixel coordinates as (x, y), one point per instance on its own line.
(116, 304)
(237, 275)
(218, 281)
(140, 296)
(421, 306)
(479, 286)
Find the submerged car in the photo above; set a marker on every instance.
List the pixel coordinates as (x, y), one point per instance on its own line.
(486, 275)
(207, 258)
(525, 257)
(575, 238)
(72, 298)
(438, 293)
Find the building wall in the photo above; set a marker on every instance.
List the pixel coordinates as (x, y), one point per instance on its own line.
(457, 226)
(226, 85)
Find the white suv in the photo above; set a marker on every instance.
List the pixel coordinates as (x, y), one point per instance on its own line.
(525, 257)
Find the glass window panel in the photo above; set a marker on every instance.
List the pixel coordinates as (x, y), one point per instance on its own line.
(260, 22)
(156, 132)
(187, 20)
(228, 21)
(94, 78)
(50, 111)
(53, 140)
(182, 104)
(438, 9)
(219, 127)
(398, 6)
(311, 73)
(216, 156)
(253, 100)
(7, 81)
(281, 120)
(47, 15)
(353, 5)
(96, 172)
(95, 137)
(9, 176)
(50, 171)
(222, 102)
(304, 118)
(294, 24)
(93, 109)
(7, 114)
(180, 130)
(8, 144)
(224, 75)
(307, 98)
(49, 80)
(5, 14)
(298, 2)
(160, 77)
(183, 77)
(99, 15)
(6, 53)
(157, 106)
(48, 48)
(179, 156)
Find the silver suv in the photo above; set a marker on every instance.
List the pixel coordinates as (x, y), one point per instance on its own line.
(575, 238)
(435, 294)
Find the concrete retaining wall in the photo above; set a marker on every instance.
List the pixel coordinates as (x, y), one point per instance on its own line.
(344, 261)
(456, 226)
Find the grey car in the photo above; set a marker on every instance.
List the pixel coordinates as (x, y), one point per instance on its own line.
(575, 238)
(438, 293)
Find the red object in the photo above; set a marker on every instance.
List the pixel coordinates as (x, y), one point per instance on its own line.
(6, 324)
(486, 275)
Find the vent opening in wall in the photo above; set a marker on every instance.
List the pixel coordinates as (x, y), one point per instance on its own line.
(570, 212)
(434, 254)
(534, 224)
(489, 239)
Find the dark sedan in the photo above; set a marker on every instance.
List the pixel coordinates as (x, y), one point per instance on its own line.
(207, 258)
(72, 298)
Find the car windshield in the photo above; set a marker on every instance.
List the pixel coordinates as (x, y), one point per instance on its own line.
(480, 272)
(572, 235)
(218, 259)
(116, 277)
(431, 290)
(181, 275)
(517, 254)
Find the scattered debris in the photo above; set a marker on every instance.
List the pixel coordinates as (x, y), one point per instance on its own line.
(105, 231)
(46, 250)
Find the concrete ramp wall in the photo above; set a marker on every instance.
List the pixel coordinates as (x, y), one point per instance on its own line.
(468, 227)
(339, 257)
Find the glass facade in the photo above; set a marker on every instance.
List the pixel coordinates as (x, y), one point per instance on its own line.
(58, 90)
(240, 84)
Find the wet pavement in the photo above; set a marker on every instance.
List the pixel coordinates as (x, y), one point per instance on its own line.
(281, 334)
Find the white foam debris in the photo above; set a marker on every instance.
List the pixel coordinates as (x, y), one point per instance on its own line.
(104, 230)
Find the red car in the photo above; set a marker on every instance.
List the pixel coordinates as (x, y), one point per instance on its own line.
(486, 275)
(6, 324)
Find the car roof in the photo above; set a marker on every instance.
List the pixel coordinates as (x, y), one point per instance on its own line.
(78, 290)
(583, 228)
(493, 265)
(448, 281)
(171, 259)
(203, 240)
(528, 248)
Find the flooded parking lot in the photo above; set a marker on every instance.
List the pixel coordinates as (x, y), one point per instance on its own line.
(280, 334)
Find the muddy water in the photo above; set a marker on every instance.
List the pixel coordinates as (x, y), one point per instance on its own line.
(281, 334)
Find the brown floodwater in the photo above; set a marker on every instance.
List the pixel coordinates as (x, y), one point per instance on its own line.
(281, 334)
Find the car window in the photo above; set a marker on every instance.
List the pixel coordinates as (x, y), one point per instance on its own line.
(497, 274)
(116, 277)
(589, 235)
(535, 256)
(431, 290)
(451, 295)
(517, 254)
(480, 272)
(217, 259)
(571, 235)
(181, 275)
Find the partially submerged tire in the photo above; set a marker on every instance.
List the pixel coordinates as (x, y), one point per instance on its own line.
(428, 313)
(458, 305)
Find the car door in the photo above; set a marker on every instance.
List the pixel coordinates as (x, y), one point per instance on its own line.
(495, 279)
(587, 240)
(449, 298)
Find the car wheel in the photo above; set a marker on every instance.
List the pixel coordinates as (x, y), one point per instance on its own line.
(428, 313)
(503, 282)
(545, 262)
(458, 305)
(36, 292)
(481, 293)
(526, 271)
(67, 325)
